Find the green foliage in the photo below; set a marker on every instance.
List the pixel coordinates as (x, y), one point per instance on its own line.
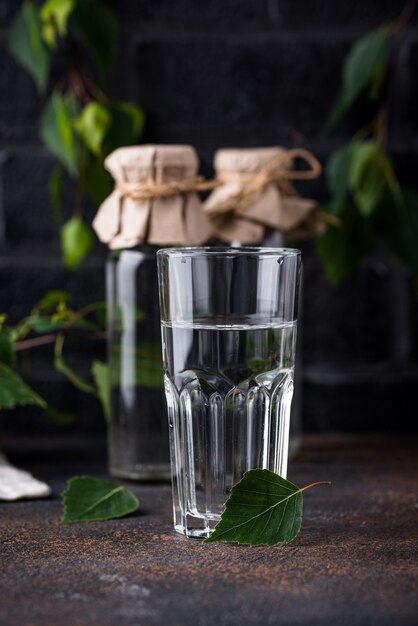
(60, 418)
(55, 191)
(97, 28)
(6, 346)
(365, 194)
(79, 124)
(14, 392)
(100, 373)
(92, 125)
(57, 129)
(88, 499)
(51, 300)
(369, 169)
(341, 248)
(63, 367)
(337, 171)
(365, 66)
(54, 16)
(76, 241)
(53, 320)
(97, 182)
(264, 509)
(127, 124)
(27, 46)
(149, 368)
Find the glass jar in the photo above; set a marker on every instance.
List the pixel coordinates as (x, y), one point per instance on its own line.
(138, 431)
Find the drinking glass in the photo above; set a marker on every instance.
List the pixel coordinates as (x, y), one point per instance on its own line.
(228, 319)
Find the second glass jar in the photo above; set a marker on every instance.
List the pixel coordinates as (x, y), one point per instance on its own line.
(138, 430)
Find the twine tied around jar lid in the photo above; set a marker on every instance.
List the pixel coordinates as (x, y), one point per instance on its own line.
(254, 191)
(155, 198)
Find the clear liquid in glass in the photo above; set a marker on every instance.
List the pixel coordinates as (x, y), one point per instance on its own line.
(229, 387)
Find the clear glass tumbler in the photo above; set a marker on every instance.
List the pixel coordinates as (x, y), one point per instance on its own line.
(228, 320)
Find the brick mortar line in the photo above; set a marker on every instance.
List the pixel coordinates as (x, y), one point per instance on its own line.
(330, 35)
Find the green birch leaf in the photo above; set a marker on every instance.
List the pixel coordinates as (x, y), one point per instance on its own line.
(136, 113)
(363, 66)
(55, 192)
(337, 174)
(100, 373)
(54, 15)
(62, 367)
(51, 300)
(127, 124)
(97, 182)
(92, 125)
(6, 346)
(14, 392)
(45, 324)
(27, 46)
(76, 241)
(57, 129)
(366, 177)
(377, 81)
(342, 248)
(60, 418)
(264, 509)
(88, 499)
(97, 26)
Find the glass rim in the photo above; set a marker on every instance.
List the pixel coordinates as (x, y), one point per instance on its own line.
(226, 251)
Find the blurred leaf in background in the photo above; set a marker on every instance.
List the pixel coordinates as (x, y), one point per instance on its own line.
(365, 66)
(364, 192)
(76, 241)
(27, 45)
(80, 124)
(49, 323)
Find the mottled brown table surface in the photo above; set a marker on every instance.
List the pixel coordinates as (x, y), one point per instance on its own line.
(354, 562)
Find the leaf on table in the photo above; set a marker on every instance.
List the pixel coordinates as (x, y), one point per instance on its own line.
(13, 391)
(57, 129)
(100, 373)
(92, 124)
(88, 499)
(341, 248)
(76, 241)
(7, 355)
(27, 46)
(364, 65)
(97, 26)
(263, 509)
(54, 15)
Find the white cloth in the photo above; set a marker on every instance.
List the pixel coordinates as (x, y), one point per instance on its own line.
(16, 484)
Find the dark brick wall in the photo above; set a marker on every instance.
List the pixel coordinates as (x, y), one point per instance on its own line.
(231, 73)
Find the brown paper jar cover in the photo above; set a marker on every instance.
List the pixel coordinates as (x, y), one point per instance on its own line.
(123, 221)
(273, 207)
